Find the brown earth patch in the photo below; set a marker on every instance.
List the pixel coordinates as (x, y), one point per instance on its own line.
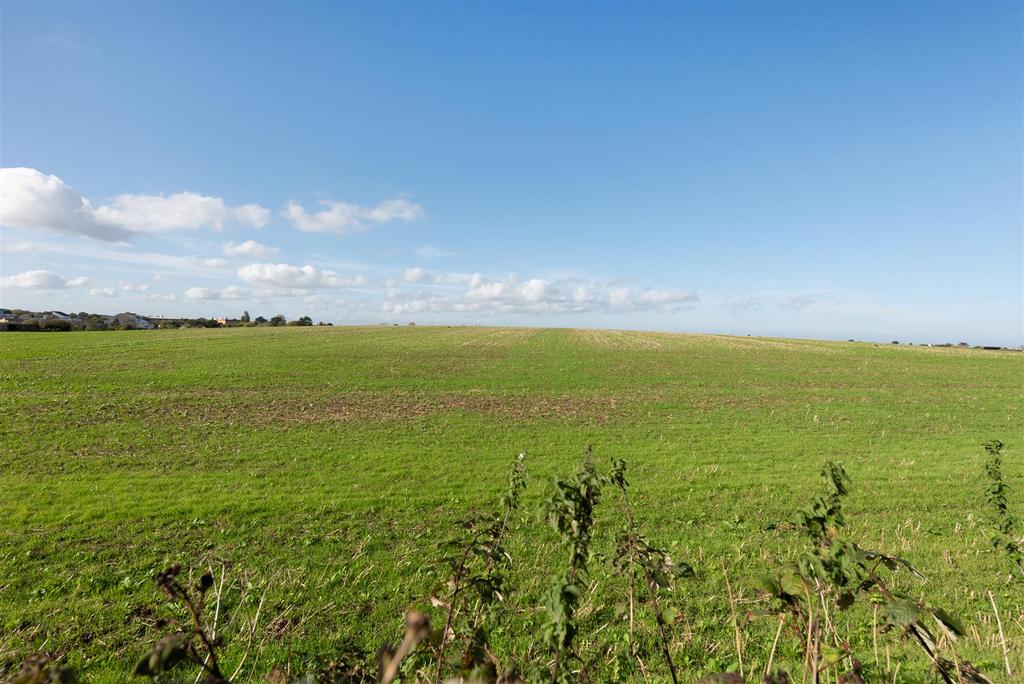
(261, 408)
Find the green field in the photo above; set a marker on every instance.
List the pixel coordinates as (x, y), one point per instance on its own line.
(326, 464)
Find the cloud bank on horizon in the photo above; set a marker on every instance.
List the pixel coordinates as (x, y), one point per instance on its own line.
(51, 221)
(35, 203)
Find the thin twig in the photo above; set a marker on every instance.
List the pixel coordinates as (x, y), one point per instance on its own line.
(1002, 638)
(652, 589)
(771, 656)
(735, 621)
(816, 629)
(453, 602)
(252, 632)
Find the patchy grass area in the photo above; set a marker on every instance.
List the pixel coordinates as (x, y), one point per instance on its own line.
(325, 465)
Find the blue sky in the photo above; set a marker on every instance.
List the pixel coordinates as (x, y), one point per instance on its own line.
(816, 170)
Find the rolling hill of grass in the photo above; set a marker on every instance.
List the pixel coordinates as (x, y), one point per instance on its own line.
(325, 465)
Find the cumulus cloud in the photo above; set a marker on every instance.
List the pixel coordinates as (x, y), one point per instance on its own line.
(33, 200)
(198, 294)
(343, 217)
(301, 277)
(213, 263)
(159, 213)
(234, 292)
(103, 292)
(249, 248)
(413, 275)
(41, 280)
(653, 296)
(560, 294)
(203, 294)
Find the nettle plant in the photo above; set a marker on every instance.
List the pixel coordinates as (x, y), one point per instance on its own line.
(833, 573)
(196, 642)
(448, 635)
(653, 567)
(472, 594)
(1003, 534)
(569, 510)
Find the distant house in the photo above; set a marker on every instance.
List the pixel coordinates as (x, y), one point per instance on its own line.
(132, 321)
(7, 313)
(227, 322)
(58, 315)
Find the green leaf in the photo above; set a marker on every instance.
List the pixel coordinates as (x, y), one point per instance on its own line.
(720, 678)
(902, 613)
(950, 622)
(164, 655)
(767, 584)
(792, 584)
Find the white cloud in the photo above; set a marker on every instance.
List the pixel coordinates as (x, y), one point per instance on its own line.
(559, 294)
(41, 280)
(196, 294)
(249, 248)
(619, 296)
(533, 290)
(234, 292)
(213, 263)
(202, 294)
(129, 287)
(304, 277)
(666, 297)
(159, 213)
(15, 247)
(343, 217)
(103, 292)
(32, 200)
(159, 297)
(413, 275)
(431, 252)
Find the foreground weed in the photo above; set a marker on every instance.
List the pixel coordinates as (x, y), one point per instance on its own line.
(569, 511)
(833, 573)
(476, 586)
(634, 555)
(195, 643)
(1003, 534)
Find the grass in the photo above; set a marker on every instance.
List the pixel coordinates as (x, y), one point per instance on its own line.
(327, 464)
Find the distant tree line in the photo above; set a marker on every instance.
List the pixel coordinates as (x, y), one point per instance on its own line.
(21, 320)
